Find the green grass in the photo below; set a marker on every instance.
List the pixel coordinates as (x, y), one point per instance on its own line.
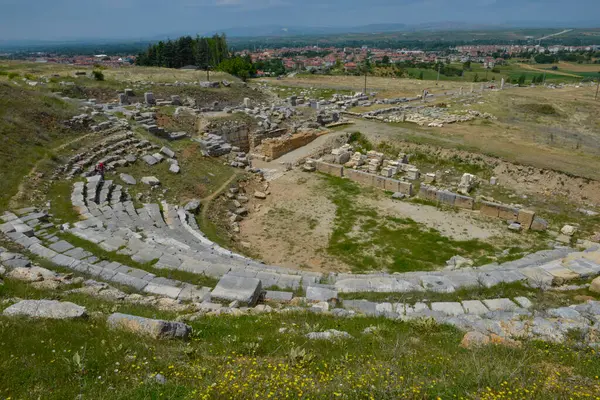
(357, 139)
(30, 125)
(59, 195)
(367, 241)
(199, 177)
(544, 109)
(247, 357)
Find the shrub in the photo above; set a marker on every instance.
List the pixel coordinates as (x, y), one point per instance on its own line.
(546, 109)
(98, 75)
(13, 75)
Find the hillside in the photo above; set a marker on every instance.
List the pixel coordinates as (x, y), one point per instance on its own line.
(30, 126)
(271, 240)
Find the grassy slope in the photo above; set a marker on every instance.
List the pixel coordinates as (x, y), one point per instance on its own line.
(248, 357)
(29, 128)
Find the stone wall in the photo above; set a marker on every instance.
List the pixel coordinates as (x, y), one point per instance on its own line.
(330, 169)
(495, 210)
(256, 138)
(507, 213)
(366, 179)
(446, 197)
(275, 148)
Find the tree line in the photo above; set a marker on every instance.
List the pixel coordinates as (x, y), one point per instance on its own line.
(201, 52)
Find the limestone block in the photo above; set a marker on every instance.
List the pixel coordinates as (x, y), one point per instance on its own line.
(500, 304)
(537, 277)
(154, 328)
(568, 230)
(525, 218)
(475, 307)
(464, 202)
(595, 285)
(539, 224)
(490, 209)
(245, 290)
(128, 179)
(274, 295)
(150, 180)
(51, 309)
(167, 152)
(448, 308)
(446, 197)
(523, 302)
(379, 182)
(428, 192)
(508, 213)
(150, 160)
(438, 284)
(364, 306)
(320, 294)
(163, 290)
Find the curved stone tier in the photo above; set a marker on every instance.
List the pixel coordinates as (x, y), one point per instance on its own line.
(170, 234)
(64, 254)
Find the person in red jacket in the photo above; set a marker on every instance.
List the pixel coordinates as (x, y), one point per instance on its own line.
(100, 169)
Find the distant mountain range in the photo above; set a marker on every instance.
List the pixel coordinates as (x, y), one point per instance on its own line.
(279, 30)
(285, 31)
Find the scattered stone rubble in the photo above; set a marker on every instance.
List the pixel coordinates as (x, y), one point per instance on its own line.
(373, 169)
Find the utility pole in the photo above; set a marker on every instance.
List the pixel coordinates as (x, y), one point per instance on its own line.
(544, 81)
(366, 71)
(438, 77)
(597, 89)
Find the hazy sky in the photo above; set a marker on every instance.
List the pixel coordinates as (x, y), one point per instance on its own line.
(62, 19)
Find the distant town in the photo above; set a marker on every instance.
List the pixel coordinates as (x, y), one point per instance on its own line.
(350, 59)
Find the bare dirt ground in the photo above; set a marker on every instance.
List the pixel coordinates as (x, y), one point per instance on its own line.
(461, 225)
(292, 226)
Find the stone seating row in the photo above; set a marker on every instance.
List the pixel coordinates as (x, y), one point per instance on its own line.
(175, 240)
(77, 259)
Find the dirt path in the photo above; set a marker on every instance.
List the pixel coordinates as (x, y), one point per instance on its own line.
(305, 151)
(276, 168)
(530, 67)
(205, 201)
